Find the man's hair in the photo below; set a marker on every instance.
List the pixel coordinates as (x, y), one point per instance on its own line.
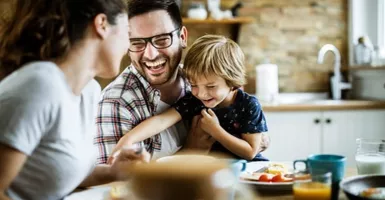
(139, 7)
(216, 55)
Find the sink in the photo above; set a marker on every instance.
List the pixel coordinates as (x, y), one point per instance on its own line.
(296, 98)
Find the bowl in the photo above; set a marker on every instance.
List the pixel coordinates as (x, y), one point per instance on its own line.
(353, 186)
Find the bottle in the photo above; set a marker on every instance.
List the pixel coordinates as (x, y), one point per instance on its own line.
(362, 53)
(375, 57)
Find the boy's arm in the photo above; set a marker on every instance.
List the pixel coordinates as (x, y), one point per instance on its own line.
(148, 128)
(247, 147)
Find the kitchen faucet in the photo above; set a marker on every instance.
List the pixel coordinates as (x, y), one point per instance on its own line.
(336, 81)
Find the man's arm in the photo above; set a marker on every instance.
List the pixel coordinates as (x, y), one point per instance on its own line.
(147, 128)
(113, 119)
(197, 139)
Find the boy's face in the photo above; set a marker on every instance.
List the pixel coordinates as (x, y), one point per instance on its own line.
(156, 65)
(212, 90)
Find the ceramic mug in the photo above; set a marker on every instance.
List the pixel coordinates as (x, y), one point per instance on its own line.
(323, 163)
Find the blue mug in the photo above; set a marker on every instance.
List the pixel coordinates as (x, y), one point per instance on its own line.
(323, 163)
(237, 166)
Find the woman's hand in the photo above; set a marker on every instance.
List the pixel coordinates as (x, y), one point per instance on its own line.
(209, 121)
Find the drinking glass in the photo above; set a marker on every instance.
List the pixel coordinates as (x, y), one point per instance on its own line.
(370, 156)
(316, 186)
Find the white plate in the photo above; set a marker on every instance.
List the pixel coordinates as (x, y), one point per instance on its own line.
(255, 166)
(185, 158)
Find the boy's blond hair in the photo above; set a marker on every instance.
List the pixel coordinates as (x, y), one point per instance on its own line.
(216, 55)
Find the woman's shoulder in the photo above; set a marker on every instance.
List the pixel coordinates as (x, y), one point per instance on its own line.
(37, 81)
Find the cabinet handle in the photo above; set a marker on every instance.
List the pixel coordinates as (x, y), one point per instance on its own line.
(328, 121)
(317, 121)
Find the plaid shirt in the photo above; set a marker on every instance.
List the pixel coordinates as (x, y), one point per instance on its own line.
(126, 102)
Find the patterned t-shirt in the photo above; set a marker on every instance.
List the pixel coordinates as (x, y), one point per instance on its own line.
(244, 116)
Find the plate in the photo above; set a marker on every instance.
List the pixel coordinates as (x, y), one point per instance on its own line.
(187, 158)
(255, 166)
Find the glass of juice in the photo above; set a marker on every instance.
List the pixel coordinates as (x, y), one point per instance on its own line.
(370, 156)
(315, 186)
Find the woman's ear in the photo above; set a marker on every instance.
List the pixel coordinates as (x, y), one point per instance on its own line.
(183, 36)
(101, 25)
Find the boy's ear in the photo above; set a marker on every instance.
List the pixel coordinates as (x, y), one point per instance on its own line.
(183, 36)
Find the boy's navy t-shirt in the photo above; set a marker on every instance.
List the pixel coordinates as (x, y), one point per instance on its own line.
(244, 116)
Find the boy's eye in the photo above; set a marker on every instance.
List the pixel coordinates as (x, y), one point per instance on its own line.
(193, 86)
(211, 86)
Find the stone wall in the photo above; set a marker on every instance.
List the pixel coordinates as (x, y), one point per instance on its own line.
(289, 33)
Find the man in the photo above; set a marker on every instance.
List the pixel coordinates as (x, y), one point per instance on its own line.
(150, 84)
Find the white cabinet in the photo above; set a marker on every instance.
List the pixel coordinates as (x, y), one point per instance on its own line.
(297, 134)
(339, 135)
(293, 135)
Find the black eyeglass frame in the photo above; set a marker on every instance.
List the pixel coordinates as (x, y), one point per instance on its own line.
(149, 40)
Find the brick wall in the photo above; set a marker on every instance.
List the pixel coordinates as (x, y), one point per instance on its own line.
(289, 33)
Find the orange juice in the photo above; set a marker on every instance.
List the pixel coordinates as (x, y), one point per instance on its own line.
(311, 190)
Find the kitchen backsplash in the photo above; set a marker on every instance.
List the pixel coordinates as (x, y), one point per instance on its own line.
(289, 33)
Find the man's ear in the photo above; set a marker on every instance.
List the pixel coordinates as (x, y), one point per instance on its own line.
(101, 25)
(183, 36)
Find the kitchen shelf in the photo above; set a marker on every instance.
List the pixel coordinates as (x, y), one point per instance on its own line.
(236, 20)
(365, 67)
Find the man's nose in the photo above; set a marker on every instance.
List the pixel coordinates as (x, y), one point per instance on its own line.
(150, 52)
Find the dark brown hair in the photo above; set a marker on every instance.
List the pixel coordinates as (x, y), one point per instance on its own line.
(47, 29)
(138, 7)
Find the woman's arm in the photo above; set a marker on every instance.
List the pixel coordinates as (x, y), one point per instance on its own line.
(12, 162)
(148, 128)
(247, 147)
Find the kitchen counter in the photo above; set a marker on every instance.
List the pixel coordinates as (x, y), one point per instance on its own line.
(323, 105)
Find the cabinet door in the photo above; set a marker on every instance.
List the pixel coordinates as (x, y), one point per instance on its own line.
(341, 128)
(294, 135)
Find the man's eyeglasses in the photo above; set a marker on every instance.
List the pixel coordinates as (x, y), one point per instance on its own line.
(161, 41)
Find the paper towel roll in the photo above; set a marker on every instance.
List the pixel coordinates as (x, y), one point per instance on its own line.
(267, 82)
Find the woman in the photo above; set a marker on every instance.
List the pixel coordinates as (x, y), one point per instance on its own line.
(49, 54)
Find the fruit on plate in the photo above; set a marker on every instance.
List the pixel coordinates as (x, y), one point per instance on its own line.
(281, 178)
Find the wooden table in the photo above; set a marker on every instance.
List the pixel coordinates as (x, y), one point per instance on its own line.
(274, 195)
(102, 192)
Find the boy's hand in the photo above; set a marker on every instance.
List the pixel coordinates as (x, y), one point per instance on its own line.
(127, 158)
(209, 121)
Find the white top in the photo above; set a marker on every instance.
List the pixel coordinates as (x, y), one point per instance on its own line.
(42, 118)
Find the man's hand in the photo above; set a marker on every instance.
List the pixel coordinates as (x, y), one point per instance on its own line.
(265, 142)
(198, 139)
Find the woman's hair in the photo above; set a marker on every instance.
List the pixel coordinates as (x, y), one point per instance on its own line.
(47, 29)
(216, 55)
(139, 7)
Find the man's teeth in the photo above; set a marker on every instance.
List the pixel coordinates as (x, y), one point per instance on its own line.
(154, 64)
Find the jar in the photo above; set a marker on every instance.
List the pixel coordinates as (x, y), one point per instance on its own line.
(197, 11)
(370, 156)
